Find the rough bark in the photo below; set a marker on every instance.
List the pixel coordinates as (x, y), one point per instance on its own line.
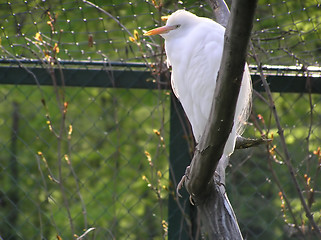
(209, 195)
(217, 216)
(220, 10)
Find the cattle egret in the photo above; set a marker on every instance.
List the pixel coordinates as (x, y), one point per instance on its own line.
(194, 47)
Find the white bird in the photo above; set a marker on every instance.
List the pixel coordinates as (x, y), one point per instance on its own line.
(194, 47)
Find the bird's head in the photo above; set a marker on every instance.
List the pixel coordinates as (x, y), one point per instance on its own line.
(176, 23)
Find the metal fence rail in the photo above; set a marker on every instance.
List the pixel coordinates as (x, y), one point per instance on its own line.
(136, 75)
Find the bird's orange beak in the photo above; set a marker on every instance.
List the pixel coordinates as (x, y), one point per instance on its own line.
(160, 30)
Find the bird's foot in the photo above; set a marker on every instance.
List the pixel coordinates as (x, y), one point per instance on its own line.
(181, 182)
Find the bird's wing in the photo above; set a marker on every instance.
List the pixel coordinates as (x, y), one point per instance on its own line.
(174, 87)
(194, 76)
(244, 104)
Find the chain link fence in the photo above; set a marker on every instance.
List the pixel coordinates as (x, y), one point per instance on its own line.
(92, 139)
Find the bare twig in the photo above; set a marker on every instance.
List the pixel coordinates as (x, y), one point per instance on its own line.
(25, 68)
(109, 15)
(308, 85)
(278, 183)
(85, 233)
(242, 142)
(287, 158)
(47, 192)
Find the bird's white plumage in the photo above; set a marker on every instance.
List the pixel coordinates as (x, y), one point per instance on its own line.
(194, 50)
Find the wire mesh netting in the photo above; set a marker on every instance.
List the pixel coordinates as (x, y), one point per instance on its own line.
(285, 32)
(93, 158)
(254, 180)
(78, 158)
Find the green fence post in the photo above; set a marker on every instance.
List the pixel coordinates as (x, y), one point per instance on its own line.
(181, 214)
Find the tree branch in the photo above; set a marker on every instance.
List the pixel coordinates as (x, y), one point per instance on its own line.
(215, 209)
(211, 145)
(242, 142)
(220, 10)
(287, 158)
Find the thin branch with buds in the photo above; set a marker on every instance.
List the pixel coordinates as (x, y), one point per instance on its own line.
(287, 158)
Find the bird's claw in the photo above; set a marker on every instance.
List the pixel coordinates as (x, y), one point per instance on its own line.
(180, 185)
(191, 200)
(181, 182)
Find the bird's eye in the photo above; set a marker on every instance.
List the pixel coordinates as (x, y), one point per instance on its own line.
(177, 26)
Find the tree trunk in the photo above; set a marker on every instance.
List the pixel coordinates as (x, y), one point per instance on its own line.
(217, 216)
